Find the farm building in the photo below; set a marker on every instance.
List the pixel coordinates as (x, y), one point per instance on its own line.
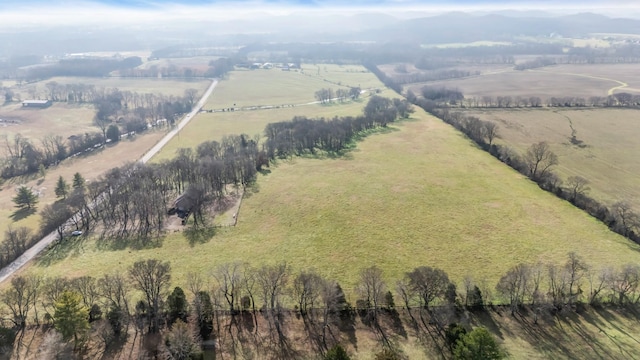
(36, 103)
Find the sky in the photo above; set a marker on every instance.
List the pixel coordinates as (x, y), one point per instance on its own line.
(35, 12)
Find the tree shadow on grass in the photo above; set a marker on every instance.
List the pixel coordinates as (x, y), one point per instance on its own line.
(62, 249)
(199, 235)
(133, 242)
(22, 214)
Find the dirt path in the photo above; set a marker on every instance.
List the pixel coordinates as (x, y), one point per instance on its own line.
(31, 253)
(621, 85)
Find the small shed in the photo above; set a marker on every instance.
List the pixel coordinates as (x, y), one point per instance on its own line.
(36, 103)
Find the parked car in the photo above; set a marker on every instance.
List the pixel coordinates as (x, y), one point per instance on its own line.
(76, 233)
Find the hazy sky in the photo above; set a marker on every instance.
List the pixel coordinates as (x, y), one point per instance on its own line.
(35, 12)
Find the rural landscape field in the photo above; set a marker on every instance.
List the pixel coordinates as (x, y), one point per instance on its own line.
(387, 190)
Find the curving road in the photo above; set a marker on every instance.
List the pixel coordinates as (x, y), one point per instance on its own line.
(28, 255)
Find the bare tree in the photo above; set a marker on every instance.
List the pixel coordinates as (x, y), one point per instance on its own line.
(577, 186)
(558, 281)
(191, 95)
(513, 285)
(626, 219)
(428, 284)
(372, 287)
(229, 278)
(307, 288)
(194, 283)
(539, 160)
(626, 284)
(576, 268)
(51, 291)
(20, 298)
(598, 282)
(490, 131)
(272, 280)
(152, 278)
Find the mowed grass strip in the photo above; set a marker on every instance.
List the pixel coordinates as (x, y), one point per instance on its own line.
(609, 159)
(416, 194)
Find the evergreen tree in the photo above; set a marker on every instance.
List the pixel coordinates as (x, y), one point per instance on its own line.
(62, 189)
(78, 181)
(25, 198)
(477, 345)
(336, 353)
(178, 304)
(71, 317)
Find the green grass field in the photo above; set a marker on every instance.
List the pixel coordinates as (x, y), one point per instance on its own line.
(276, 87)
(416, 193)
(609, 160)
(270, 87)
(419, 194)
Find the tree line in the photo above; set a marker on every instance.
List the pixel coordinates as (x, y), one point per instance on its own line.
(235, 294)
(80, 67)
(536, 163)
(303, 135)
(625, 100)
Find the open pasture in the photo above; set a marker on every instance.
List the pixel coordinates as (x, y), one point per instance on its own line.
(523, 83)
(345, 75)
(261, 87)
(609, 160)
(418, 193)
(200, 63)
(174, 87)
(622, 77)
(581, 80)
(214, 126)
(59, 119)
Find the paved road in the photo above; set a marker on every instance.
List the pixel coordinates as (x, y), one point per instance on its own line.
(8, 270)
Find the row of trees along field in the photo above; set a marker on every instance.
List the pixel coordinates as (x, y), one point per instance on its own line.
(440, 97)
(487, 101)
(129, 204)
(537, 163)
(238, 297)
(118, 112)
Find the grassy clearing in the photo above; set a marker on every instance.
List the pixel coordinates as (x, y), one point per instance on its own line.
(609, 160)
(418, 193)
(246, 88)
(59, 119)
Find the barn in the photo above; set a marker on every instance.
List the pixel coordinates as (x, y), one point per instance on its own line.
(36, 104)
